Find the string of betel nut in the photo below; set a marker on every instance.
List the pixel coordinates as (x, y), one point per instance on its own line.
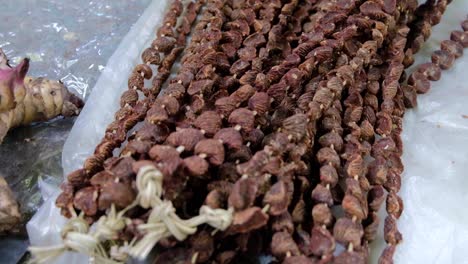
(235, 128)
(72, 233)
(132, 110)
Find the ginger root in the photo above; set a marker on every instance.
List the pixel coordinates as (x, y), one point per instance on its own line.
(9, 212)
(24, 99)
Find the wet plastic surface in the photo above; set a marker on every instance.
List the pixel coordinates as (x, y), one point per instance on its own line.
(68, 40)
(434, 222)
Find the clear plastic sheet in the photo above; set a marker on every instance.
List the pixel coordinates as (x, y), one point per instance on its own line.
(68, 40)
(434, 222)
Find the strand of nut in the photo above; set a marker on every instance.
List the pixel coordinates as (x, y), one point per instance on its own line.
(298, 122)
(80, 177)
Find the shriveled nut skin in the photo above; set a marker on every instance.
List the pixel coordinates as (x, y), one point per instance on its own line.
(243, 194)
(321, 241)
(86, 200)
(9, 211)
(283, 244)
(247, 220)
(119, 194)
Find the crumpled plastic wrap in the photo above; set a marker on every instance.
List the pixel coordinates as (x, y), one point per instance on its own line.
(434, 223)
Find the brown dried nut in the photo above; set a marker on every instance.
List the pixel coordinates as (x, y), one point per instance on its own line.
(122, 169)
(384, 124)
(102, 177)
(297, 260)
(239, 67)
(370, 231)
(332, 140)
(321, 194)
(248, 78)
(176, 90)
(353, 207)
(377, 171)
(201, 87)
(376, 197)
(243, 194)
(278, 198)
(152, 133)
(295, 126)
(254, 138)
(240, 25)
(209, 122)
(244, 118)
(354, 99)
(156, 115)
(259, 102)
(354, 166)
(225, 257)
(409, 96)
(215, 199)
(452, 47)
(129, 97)
(460, 37)
(328, 175)
(196, 166)
(151, 56)
(393, 204)
(373, 87)
(322, 215)
(247, 53)
(367, 130)
(86, 200)
(203, 244)
(225, 106)
(243, 154)
(169, 103)
(242, 94)
(298, 213)
(144, 70)
(77, 177)
(393, 182)
(277, 91)
(389, 89)
(283, 245)
(211, 149)
(464, 25)
(352, 114)
(369, 115)
(230, 137)
(321, 54)
(321, 241)
(254, 40)
(387, 255)
(185, 137)
(383, 146)
(119, 194)
(351, 257)
(328, 156)
(391, 234)
(443, 59)
(346, 231)
(184, 78)
(136, 148)
(164, 44)
(324, 97)
(247, 220)
(136, 81)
